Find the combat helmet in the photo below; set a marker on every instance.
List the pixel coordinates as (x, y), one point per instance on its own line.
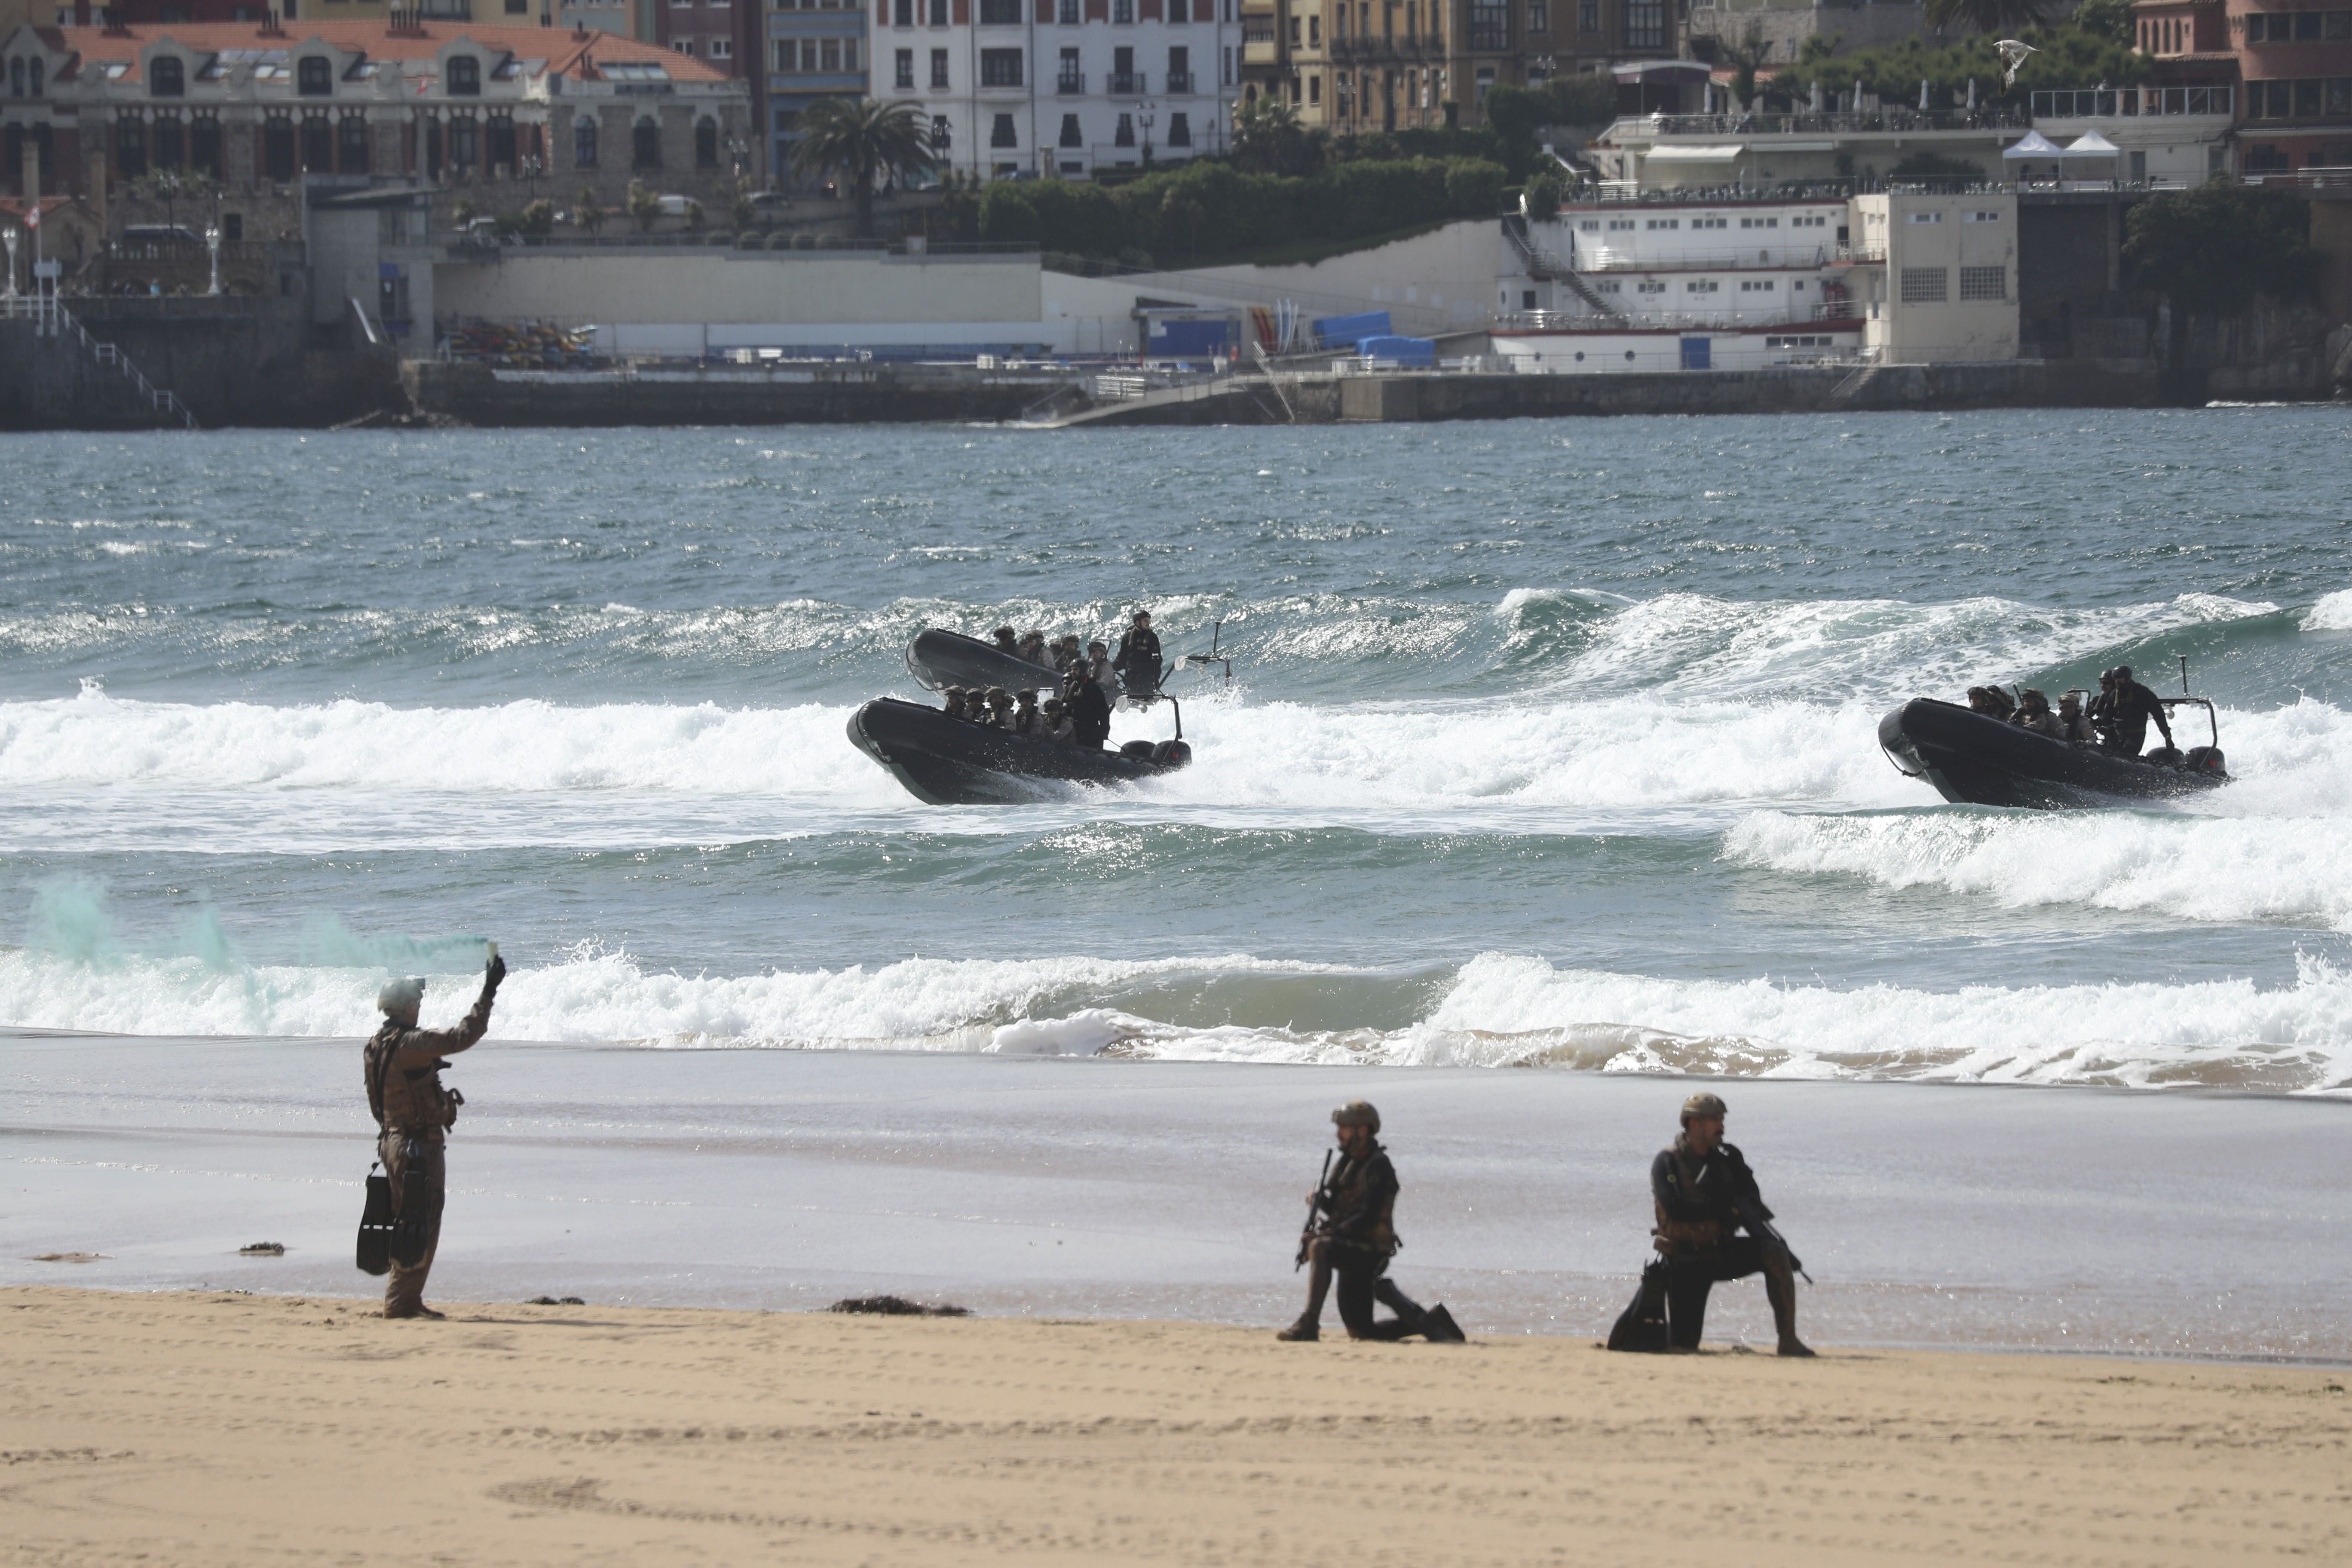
(1357, 1113)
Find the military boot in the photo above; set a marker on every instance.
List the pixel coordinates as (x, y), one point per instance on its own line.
(1306, 1330)
(1437, 1326)
(1781, 1289)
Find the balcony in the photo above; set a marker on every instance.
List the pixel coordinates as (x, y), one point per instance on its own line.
(1829, 122)
(1070, 84)
(1591, 257)
(1177, 84)
(1126, 84)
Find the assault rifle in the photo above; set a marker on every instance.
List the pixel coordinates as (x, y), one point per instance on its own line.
(1314, 1203)
(1749, 1214)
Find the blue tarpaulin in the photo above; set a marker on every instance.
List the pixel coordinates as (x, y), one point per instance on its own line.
(1400, 351)
(1347, 332)
(1194, 339)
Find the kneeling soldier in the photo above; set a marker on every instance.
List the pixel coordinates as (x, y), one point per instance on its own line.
(1703, 1191)
(1349, 1233)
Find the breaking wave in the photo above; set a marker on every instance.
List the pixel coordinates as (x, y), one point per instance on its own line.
(1496, 1011)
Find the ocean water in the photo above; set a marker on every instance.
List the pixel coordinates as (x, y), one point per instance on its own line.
(1547, 745)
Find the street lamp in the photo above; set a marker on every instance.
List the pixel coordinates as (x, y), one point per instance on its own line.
(1145, 116)
(9, 235)
(530, 166)
(738, 151)
(212, 243)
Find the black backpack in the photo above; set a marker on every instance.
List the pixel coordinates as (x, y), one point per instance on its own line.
(1642, 1326)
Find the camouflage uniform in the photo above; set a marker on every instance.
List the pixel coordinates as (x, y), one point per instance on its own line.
(413, 1111)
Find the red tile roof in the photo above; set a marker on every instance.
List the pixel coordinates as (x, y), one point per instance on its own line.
(567, 53)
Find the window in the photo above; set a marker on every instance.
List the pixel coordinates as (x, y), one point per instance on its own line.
(1609, 286)
(829, 54)
(1527, 299)
(644, 145)
(1759, 286)
(316, 78)
(584, 143)
(1490, 24)
(465, 143)
(1702, 286)
(1179, 68)
(1180, 130)
(465, 78)
(501, 139)
(706, 143)
(1709, 223)
(352, 145)
(939, 14)
(902, 13)
(1124, 136)
(1984, 283)
(1070, 134)
(1923, 217)
(1000, 67)
(171, 142)
(1000, 13)
(1313, 88)
(1315, 32)
(902, 74)
(1538, 15)
(1588, 16)
(1927, 285)
(1760, 222)
(722, 49)
(277, 148)
(1981, 217)
(1662, 223)
(1645, 24)
(205, 146)
(166, 77)
(938, 70)
(1001, 133)
(1179, 13)
(684, 46)
(1649, 288)
(1122, 12)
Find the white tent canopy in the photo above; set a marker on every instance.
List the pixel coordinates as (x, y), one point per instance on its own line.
(2091, 144)
(2035, 145)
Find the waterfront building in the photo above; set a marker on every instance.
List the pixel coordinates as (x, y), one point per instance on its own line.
(2291, 69)
(1352, 66)
(2166, 137)
(1062, 88)
(505, 112)
(815, 49)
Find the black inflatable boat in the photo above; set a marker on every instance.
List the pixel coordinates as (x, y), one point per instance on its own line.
(948, 762)
(1976, 760)
(939, 659)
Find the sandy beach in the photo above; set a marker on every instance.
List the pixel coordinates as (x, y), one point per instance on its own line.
(203, 1428)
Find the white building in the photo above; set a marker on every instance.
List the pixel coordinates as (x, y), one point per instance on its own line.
(1062, 88)
(1665, 285)
(1935, 276)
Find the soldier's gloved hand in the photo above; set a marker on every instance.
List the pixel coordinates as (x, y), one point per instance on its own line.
(492, 974)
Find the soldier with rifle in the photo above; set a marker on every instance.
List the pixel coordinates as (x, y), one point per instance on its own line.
(1350, 1235)
(1705, 1191)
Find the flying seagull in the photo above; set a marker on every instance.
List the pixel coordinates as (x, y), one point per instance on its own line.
(2012, 55)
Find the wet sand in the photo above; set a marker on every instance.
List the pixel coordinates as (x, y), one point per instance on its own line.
(203, 1428)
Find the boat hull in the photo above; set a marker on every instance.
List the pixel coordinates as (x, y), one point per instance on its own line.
(939, 659)
(947, 761)
(1974, 760)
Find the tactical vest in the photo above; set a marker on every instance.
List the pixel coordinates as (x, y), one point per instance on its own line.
(412, 1100)
(1347, 1196)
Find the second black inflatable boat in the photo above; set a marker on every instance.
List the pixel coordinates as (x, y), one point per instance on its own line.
(948, 761)
(1974, 759)
(939, 659)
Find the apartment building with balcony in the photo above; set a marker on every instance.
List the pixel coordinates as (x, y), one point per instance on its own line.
(2291, 69)
(1351, 67)
(814, 49)
(1061, 89)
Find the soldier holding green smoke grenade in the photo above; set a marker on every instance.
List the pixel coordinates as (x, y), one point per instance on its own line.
(414, 1113)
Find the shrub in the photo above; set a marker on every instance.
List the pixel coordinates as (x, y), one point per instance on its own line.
(2212, 249)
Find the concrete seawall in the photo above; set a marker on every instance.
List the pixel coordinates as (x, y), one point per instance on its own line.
(796, 395)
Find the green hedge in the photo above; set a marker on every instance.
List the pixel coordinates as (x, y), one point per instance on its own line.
(1213, 208)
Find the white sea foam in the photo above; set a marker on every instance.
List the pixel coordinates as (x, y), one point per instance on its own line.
(1500, 1011)
(2331, 614)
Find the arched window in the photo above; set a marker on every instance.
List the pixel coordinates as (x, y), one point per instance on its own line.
(32, 70)
(317, 77)
(706, 143)
(277, 148)
(465, 142)
(465, 77)
(584, 143)
(645, 146)
(16, 77)
(166, 77)
(318, 144)
(352, 145)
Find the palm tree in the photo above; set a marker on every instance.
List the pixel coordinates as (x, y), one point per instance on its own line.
(867, 141)
(1994, 18)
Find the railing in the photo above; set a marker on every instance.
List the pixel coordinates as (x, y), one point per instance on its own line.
(1126, 84)
(1071, 84)
(1829, 121)
(1618, 258)
(1667, 321)
(56, 321)
(2124, 102)
(1862, 252)
(1178, 84)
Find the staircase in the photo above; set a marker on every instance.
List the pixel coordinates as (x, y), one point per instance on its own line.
(1545, 267)
(53, 319)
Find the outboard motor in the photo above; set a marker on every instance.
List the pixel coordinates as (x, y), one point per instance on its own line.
(1171, 754)
(1140, 749)
(2205, 760)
